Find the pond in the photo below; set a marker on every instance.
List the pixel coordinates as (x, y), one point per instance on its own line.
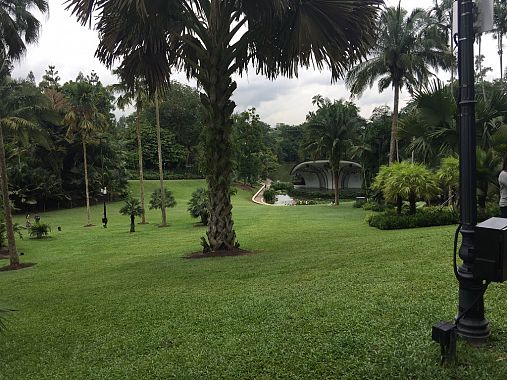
(284, 200)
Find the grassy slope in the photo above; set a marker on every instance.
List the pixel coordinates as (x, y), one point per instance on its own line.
(324, 296)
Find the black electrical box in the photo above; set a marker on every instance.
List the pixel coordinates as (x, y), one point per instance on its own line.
(491, 250)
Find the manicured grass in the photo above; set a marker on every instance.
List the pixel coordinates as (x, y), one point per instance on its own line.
(324, 296)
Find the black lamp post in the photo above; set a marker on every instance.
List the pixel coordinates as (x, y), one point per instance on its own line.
(103, 191)
(472, 324)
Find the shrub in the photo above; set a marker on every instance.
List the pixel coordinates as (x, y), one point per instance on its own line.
(270, 196)
(374, 206)
(406, 180)
(491, 210)
(198, 205)
(426, 217)
(282, 186)
(156, 202)
(39, 230)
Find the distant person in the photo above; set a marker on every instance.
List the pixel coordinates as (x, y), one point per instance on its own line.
(502, 181)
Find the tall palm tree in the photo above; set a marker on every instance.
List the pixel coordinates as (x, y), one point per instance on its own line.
(407, 49)
(85, 120)
(330, 128)
(160, 162)
(18, 110)
(18, 27)
(138, 96)
(213, 39)
(500, 17)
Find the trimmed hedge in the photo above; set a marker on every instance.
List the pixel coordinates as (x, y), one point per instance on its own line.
(282, 186)
(325, 194)
(151, 175)
(425, 217)
(374, 206)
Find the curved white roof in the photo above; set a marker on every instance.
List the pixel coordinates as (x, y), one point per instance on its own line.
(322, 163)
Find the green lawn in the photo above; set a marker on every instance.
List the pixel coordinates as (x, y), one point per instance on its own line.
(324, 296)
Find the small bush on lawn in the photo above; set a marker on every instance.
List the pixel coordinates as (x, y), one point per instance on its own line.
(270, 196)
(39, 230)
(426, 217)
(198, 205)
(282, 186)
(156, 199)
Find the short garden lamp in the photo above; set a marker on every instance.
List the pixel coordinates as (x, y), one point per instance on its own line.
(103, 191)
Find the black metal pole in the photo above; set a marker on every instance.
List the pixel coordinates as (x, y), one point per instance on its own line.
(474, 327)
(104, 219)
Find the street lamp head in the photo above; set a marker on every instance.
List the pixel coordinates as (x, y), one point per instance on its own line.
(103, 191)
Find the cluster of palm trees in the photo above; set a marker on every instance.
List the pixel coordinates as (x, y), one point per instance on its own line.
(211, 40)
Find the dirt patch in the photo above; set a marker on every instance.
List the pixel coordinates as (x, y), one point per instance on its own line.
(16, 267)
(242, 186)
(200, 255)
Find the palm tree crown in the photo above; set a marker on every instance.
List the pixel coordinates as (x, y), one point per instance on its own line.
(408, 48)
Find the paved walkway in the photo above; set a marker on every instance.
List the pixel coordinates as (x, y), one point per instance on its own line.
(259, 196)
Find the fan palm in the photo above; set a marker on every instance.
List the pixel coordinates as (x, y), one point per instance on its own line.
(330, 128)
(132, 208)
(405, 180)
(213, 39)
(138, 95)
(408, 48)
(85, 120)
(431, 125)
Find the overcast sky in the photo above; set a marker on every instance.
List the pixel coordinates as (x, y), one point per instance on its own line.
(71, 47)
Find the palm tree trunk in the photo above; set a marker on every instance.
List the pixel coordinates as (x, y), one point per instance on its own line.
(500, 53)
(221, 234)
(11, 240)
(160, 163)
(140, 155)
(412, 201)
(132, 223)
(336, 177)
(393, 151)
(85, 163)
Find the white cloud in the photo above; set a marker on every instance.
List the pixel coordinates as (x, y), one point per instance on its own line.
(71, 47)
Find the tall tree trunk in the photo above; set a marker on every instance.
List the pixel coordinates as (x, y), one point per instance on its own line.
(140, 155)
(500, 53)
(160, 163)
(85, 162)
(221, 234)
(336, 177)
(11, 240)
(480, 67)
(393, 151)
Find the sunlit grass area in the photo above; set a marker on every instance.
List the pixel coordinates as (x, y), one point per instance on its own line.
(323, 296)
